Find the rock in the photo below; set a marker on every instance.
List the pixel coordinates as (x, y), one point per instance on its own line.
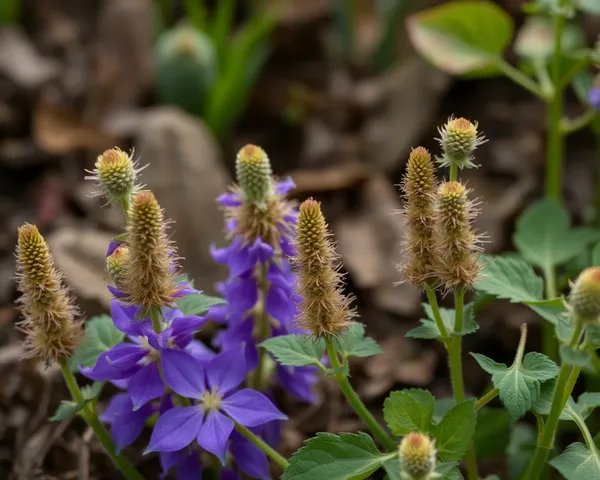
(80, 253)
(21, 63)
(408, 99)
(369, 243)
(187, 174)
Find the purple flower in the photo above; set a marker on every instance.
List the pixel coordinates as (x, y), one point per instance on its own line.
(211, 420)
(126, 424)
(186, 463)
(594, 97)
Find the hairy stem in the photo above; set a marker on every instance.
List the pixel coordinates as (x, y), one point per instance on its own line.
(262, 445)
(91, 417)
(357, 405)
(435, 308)
(257, 381)
(487, 398)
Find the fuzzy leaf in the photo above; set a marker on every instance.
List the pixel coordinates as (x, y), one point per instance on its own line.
(65, 410)
(353, 342)
(100, 335)
(295, 350)
(197, 303)
(429, 330)
(93, 391)
(544, 402)
(453, 434)
(571, 356)
(544, 236)
(578, 462)
(348, 456)
(408, 411)
(510, 278)
(462, 37)
(519, 384)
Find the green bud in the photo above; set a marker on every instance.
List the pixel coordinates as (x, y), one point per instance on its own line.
(253, 172)
(585, 295)
(459, 139)
(417, 457)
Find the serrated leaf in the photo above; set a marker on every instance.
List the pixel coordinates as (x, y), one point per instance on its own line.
(65, 410)
(295, 350)
(462, 37)
(511, 278)
(429, 330)
(453, 434)
(100, 335)
(519, 384)
(551, 310)
(348, 456)
(90, 392)
(197, 303)
(571, 356)
(577, 462)
(353, 342)
(544, 236)
(409, 411)
(492, 432)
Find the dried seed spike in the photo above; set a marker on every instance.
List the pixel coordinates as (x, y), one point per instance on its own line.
(419, 193)
(585, 295)
(253, 172)
(150, 273)
(48, 311)
(456, 244)
(417, 457)
(325, 309)
(459, 139)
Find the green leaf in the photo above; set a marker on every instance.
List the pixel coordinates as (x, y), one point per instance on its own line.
(348, 456)
(596, 256)
(197, 303)
(577, 462)
(520, 449)
(93, 391)
(353, 342)
(552, 310)
(510, 278)
(543, 403)
(462, 37)
(429, 330)
(519, 384)
(545, 238)
(100, 335)
(589, 6)
(295, 350)
(453, 434)
(408, 411)
(448, 471)
(65, 410)
(492, 432)
(535, 39)
(571, 356)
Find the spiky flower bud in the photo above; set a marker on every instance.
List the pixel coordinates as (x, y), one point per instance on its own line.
(253, 172)
(325, 309)
(116, 174)
(116, 264)
(417, 457)
(419, 186)
(48, 311)
(456, 244)
(459, 139)
(585, 295)
(149, 274)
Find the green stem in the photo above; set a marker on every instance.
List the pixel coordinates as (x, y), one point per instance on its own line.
(487, 398)
(521, 79)
(89, 414)
(156, 321)
(456, 373)
(574, 71)
(569, 126)
(549, 341)
(435, 308)
(453, 172)
(357, 405)
(258, 442)
(567, 377)
(555, 143)
(125, 201)
(262, 325)
(543, 76)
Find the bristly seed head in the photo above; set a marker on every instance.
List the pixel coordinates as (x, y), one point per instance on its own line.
(584, 299)
(325, 310)
(456, 244)
(116, 174)
(253, 172)
(419, 186)
(150, 268)
(417, 457)
(459, 139)
(48, 311)
(116, 264)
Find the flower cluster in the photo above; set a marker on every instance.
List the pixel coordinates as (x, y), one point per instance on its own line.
(163, 370)
(260, 288)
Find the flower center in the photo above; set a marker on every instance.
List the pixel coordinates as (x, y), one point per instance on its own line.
(211, 400)
(153, 354)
